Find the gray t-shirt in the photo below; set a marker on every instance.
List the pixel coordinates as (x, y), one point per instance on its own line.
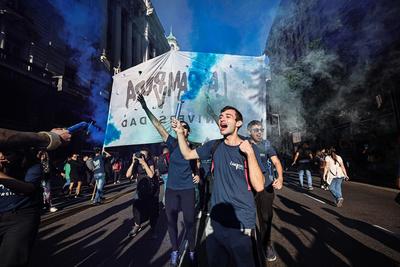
(232, 201)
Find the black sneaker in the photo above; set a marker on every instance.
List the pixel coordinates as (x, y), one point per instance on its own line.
(270, 254)
(135, 230)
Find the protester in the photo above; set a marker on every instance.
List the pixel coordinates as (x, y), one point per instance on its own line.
(237, 170)
(207, 179)
(265, 198)
(99, 173)
(145, 200)
(66, 174)
(334, 174)
(320, 160)
(304, 158)
(116, 168)
(46, 186)
(201, 190)
(89, 170)
(20, 174)
(180, 194)
(76, 175)
(162, 166)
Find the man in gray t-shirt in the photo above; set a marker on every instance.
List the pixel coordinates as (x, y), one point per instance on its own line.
(237, 172)
(265, 198)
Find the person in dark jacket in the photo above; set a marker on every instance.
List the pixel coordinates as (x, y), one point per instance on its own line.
(20, 198)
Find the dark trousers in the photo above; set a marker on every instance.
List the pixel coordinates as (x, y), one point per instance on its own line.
(264, 200)
(209, 189)
(117, 176)
(201, 188)
(144, 209)
(18, 231)
(228, 246)
(176, 200)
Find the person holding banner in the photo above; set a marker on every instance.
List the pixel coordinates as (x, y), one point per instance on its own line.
(237, 169)
(180, 189)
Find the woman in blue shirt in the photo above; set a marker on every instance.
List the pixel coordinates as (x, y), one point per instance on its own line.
(180, 192)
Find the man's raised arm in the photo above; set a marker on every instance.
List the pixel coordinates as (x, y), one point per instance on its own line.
(187, 153)
(157, 124)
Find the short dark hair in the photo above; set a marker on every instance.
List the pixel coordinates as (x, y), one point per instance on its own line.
(97, 150)
(252, 123)
(239, 116)
(188, 127)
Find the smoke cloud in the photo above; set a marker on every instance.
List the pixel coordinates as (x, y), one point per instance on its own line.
(83, 26)
(325, 62)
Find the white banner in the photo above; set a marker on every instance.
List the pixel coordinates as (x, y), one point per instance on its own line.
(203, 81)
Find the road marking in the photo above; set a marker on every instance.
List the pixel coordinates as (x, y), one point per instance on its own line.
(316, 199)
(386, 230)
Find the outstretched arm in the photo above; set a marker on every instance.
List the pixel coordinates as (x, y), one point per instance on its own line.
(10, 139)
(295, 158)
(157, 124)
(187, 153)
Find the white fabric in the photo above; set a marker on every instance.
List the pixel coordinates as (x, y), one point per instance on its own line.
(203, 80)
(334, 168)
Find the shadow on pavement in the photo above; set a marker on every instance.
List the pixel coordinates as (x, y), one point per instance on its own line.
(326, 243)
(82, 244)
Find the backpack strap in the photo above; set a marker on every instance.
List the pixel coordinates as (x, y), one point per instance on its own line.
(246, 169)
(246, 174)
(213, 149)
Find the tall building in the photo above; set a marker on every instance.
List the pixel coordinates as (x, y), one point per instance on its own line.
(40, 77)
(173, 43)
(335, 74)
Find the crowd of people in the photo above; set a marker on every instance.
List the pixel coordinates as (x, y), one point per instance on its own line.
(229, 180)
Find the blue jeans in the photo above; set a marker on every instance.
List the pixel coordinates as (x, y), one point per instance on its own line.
(164, 177)
(336, 188)
(101, 180)
(309, 178)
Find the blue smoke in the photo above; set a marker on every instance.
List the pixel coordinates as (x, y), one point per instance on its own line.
(112, 133)
(83, 26)
(199, 74)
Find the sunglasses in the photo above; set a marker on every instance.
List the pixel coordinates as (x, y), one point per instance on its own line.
(257, 130)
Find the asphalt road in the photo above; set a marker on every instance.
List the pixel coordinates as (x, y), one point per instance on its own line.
(308, 230)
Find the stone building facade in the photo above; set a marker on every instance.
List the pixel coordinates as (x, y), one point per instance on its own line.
(38, 71)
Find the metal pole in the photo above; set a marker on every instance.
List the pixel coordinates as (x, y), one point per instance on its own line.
(279, 125)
